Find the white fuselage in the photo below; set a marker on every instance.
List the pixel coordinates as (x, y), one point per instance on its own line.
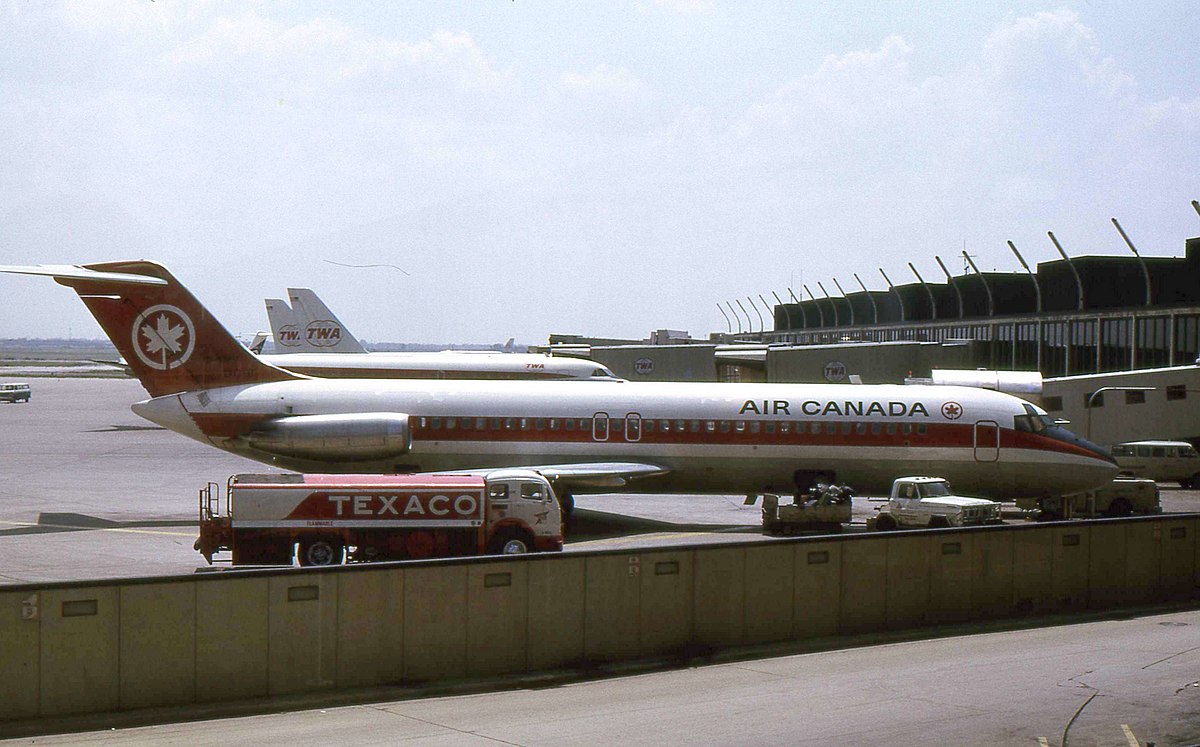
(443, 365)
(710, 437)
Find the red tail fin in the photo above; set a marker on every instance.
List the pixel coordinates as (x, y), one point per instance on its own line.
(167, 337)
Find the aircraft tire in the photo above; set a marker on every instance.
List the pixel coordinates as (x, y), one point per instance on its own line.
(1119, 507)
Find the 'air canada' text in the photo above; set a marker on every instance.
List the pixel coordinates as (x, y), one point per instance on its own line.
(861, 408)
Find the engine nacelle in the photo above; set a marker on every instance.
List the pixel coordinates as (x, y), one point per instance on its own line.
(348, 437)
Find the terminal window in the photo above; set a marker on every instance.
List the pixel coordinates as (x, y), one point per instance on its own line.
(1053, 404)
(1177, 391)
(1133, 397)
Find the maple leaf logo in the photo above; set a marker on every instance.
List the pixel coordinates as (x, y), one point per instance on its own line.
(164, 337)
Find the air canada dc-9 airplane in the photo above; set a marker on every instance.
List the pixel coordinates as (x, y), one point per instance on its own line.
(310, 339)
(638, 436)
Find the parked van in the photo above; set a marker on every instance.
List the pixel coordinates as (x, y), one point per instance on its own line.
(14, 392)
(1175, 461)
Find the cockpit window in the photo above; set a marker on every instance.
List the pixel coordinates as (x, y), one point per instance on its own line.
(603, 373)
(1032, 421)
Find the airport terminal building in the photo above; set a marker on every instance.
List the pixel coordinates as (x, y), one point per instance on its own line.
(1081, 315)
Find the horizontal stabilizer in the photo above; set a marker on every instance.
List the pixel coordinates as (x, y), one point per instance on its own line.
(75, 272)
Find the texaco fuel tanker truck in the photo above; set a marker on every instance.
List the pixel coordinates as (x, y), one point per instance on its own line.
(321, 519)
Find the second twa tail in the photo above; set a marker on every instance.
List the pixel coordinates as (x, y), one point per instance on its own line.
(168, 338)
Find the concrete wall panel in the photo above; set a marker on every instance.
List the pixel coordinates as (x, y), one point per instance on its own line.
(20, 628)
(665, 622)
(864, 586)
(158, 644)
(613, 596)
(991, 575)
(1143, 560)
(497, 617)
(1178, 569)
(770, 592)
(1106, 565)
(370, 628)
(908, 575)
(231, 638)
(1033, 570)
(79, 651)
(818, 589)
(719, 596)
(435, 623)
(1071, 552)
(304, 633)
(951, 576)
(556, 611)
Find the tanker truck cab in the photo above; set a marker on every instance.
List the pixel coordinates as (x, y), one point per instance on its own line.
(522, 513)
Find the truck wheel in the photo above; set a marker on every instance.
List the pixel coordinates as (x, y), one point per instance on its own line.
(1191, 482)
(885, 522)
(1119, 507)
(320, 552)
(938, 522)
(510, 543)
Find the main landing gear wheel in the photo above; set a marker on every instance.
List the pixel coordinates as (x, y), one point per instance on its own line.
(320, 552)
(1120, 507)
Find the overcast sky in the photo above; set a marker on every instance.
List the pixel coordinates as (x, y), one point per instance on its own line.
(601, 168)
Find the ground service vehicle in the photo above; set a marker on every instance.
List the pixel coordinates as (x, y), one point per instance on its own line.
(929, 502)
(330, 518)
(1121, 497)
(14, 392)
(824, 508)
(1176, 461)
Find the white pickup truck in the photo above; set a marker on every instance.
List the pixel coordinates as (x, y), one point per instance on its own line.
(929, 502)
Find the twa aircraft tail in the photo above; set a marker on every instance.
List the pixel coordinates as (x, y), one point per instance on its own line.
(322, 331)
(168, 338)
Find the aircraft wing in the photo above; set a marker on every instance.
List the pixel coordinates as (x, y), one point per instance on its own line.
(585, 474)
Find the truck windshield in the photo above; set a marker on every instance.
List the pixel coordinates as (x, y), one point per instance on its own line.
(934, 489)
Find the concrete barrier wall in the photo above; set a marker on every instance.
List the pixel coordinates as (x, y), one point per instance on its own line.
(104, 647)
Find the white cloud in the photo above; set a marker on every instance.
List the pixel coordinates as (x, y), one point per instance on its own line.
(603, 81)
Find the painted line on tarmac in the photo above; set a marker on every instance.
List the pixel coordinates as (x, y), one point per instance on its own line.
(96, 529)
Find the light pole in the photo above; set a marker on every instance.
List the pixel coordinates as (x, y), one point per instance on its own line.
(1092, 398)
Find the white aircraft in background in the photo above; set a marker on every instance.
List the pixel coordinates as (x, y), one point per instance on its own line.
(310, 339)
(641, 436)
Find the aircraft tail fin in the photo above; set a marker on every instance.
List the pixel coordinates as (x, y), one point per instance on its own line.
(320, 330)
(169, 339)
(284, 330)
